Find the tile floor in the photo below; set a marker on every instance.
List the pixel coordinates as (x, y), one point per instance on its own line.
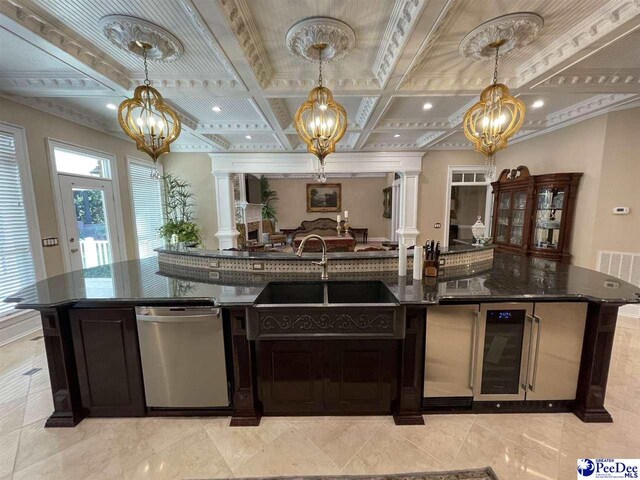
(516, 446)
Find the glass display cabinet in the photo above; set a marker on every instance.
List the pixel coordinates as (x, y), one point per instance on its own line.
(533, 214)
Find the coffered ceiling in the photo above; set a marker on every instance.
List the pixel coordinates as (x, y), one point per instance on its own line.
(404, 85)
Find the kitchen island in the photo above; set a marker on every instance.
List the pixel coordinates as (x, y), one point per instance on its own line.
(516, 335)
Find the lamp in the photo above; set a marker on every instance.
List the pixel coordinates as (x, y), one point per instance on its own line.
(150, 122)
(494, 119)
(321, 121)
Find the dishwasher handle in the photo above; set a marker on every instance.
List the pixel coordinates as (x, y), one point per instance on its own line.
(176, 314)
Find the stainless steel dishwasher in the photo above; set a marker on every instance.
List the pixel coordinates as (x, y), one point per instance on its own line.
(183, 359)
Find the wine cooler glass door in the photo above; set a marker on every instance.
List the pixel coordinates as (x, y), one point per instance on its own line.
(503, 351)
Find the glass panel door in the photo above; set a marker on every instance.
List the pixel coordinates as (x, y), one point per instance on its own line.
(89, 218)
(517, 217)
(504, 209)
(503, 349)
(549, 208)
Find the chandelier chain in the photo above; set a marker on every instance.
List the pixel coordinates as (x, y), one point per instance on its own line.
(146, 70)
(495, 68)
(320, 59)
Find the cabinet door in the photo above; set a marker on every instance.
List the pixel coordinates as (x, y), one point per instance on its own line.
(361, 376)
(291, 374)
(556, 350)
(108, 360)
(516, 234)
(503, 216)
(450, 350)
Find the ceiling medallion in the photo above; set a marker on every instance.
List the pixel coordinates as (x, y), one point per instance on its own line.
(515, 29)
(128, 33)
(337, 37)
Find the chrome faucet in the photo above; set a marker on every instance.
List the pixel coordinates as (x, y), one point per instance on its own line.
(323, 262)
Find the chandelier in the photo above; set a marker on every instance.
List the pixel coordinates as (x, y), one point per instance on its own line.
(150, 122)
(492, 121)
(321, 121)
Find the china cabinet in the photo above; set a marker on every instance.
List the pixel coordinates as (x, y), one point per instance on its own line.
(533, 214)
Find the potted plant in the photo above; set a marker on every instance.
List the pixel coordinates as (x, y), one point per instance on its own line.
(178, 213)
(269, 199)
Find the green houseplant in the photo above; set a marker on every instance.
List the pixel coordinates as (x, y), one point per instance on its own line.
(269, 199)
(178, 212)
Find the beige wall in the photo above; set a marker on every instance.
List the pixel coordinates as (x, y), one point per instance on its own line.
(619, 186)
(577, 148)
(362, 197)
(195, 168)
(39, 126)
(433, 189)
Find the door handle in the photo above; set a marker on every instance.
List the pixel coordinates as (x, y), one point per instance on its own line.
(74, 250)
(474, 346)
(538, 320)
(525, 384)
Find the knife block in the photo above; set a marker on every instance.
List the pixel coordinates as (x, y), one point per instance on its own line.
(431, 268)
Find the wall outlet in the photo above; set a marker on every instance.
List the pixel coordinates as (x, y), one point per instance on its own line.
(437, 225)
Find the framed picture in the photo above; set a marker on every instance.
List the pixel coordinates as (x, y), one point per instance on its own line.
(324, 197)
(386, 202)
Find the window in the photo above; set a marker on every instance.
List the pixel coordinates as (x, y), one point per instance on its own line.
(18, 257)
(147, 205)
(77, 163)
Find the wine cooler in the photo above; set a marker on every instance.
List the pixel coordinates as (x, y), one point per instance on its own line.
(528, 352)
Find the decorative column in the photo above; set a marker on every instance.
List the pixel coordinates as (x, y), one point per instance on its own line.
(226, 211)
(408, 221)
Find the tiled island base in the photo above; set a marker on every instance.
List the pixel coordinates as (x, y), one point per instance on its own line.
(517, 446)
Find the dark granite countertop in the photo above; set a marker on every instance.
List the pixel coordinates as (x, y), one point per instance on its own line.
(510, 278)
(202, 252)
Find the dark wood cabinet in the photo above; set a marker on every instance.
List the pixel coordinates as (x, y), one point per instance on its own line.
(533, 214)
(329, 376)
(106, 349)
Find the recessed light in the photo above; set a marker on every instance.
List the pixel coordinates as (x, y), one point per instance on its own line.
(111, 106)
(248, 137)
(396, 135)
(216, 109)
(427, 106)
(538, 104)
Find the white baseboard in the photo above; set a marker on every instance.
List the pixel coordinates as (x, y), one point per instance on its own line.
(19, 325)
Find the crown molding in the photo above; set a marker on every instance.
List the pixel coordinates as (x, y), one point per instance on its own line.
(50, 106)
(458, 115)
(289, 85)
(280, 111)
(452, 146)
(238, 17)
(254, 147)
(39, 24)
(365, 109)
(205, 32)
(295, 176)
(401, 23)
(586, 107)
(217, 141)
(192, 85)
(187, 148)
(599, 24)
(393, 124)
(232, 127)
(602, 79)
(56, 81)
(429, 137)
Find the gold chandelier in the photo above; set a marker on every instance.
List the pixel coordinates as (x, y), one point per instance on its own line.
(150, 122)
(321, 121)
(491, 122)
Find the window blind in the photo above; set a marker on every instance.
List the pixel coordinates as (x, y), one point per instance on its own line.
(16, 261)
(147, 203)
